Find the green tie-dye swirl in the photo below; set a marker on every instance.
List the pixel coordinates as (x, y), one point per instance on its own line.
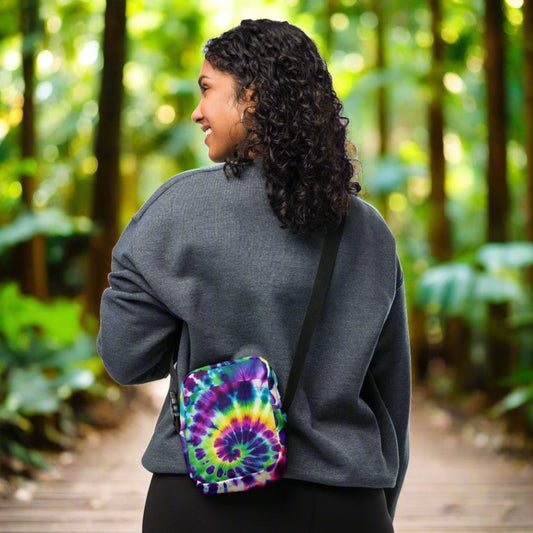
(232, 426)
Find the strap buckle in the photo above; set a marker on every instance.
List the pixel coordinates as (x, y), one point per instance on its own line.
(175, 409)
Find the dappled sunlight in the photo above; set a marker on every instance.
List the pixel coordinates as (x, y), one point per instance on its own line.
(444, 163)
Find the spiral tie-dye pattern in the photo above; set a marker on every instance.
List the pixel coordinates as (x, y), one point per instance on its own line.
(232, 426)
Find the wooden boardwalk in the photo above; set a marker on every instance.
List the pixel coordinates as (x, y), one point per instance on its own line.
(454, 486)
(451, 486)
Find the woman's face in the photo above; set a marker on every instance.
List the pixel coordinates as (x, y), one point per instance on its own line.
(218, 112)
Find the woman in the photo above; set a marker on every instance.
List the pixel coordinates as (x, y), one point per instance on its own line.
(215, 259)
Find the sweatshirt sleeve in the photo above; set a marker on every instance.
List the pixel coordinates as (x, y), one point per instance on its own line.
(391, 370)
(137, 332)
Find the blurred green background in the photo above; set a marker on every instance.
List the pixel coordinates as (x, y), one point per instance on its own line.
(95, 104)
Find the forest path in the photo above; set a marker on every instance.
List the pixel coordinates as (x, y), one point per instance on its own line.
(451, 485)
(455, 486)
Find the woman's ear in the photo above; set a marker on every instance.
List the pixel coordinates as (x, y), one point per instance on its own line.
(249, 93)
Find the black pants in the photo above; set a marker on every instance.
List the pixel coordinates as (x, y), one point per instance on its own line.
(174, 505)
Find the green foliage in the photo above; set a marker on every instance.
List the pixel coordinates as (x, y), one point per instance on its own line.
(10, 18)
(512, 255)
(491, 276)
(521, 394)
(389, 175)
(49, 222)
(494, 275)
(11, 170)
(45, 357)
(457, 289)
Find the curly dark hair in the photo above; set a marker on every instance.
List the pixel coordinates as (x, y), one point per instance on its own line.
(294, 122)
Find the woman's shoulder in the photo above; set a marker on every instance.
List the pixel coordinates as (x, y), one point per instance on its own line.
(364, 214)
(178, 186)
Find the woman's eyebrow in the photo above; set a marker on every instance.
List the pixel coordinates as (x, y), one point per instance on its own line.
(201, 79)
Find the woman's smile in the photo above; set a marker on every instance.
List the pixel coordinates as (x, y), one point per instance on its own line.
(219, 113)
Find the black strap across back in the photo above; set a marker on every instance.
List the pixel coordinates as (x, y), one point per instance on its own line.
(314, 309)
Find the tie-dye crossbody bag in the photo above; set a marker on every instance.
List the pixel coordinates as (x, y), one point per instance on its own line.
(230, 416)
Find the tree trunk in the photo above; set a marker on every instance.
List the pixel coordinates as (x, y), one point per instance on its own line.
(528, 111)
(106, 198)
(498, 349)
(452, 350)
(383, 108)
(439, 229)
(379, 7)
(498, 189)
(330, 7)
(420, 350)
(456, 345)
(30, 256)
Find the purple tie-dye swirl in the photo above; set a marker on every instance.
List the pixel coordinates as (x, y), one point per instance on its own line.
(232, 426)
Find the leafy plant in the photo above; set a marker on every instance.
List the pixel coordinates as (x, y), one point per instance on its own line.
(521, 394)
(45, 357)
(50, 222)
(494, 274)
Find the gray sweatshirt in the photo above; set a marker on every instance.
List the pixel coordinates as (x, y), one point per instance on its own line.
(208, 253)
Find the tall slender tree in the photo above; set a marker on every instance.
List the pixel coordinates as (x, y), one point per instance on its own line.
(330, 7)
(499, 350)
(380, 7)
(106, 197)
(30, 255)
(439, 229)
(528, 111)
(381, 64)
(455, 346)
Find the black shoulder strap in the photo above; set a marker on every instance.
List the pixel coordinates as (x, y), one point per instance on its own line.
(316, 303)
(173, 392)
(314, 309)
